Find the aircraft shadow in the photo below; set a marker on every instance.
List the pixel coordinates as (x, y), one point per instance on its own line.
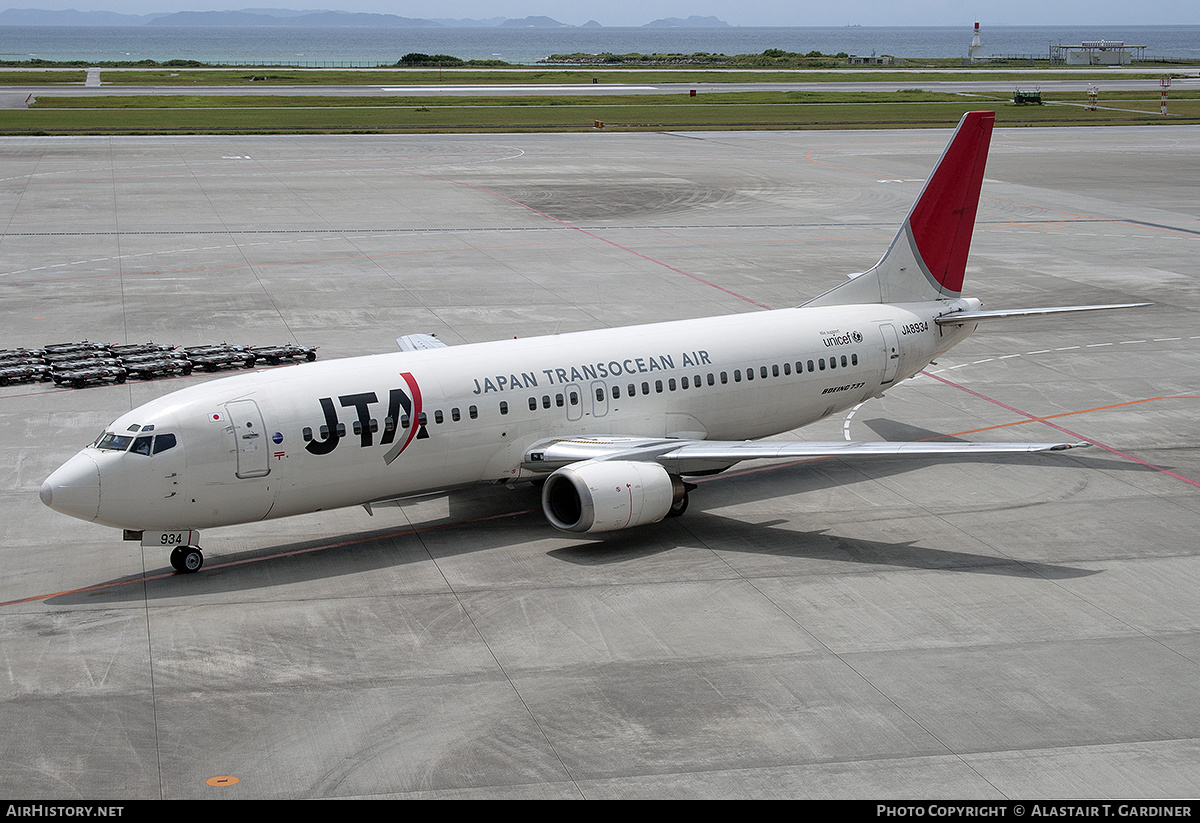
(766, 540)
(491, 518)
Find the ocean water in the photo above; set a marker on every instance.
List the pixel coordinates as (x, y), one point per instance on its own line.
(384, 46)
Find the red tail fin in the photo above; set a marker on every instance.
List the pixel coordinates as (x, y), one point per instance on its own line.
(928, 256)
(943, 217)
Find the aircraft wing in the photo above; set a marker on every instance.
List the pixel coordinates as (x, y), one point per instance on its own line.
(700, 456)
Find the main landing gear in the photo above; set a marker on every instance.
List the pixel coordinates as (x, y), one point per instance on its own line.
(187, 559)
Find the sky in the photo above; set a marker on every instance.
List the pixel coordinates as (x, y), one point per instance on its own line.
(760, 13)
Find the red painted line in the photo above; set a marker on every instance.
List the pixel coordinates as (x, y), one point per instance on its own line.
(1068, 432)
(293, 553)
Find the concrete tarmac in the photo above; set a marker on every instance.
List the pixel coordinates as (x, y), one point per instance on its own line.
(1015, 628)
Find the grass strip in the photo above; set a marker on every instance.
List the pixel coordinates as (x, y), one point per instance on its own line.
(447, 115)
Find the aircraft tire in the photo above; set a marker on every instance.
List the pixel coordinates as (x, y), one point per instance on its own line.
(187, 559)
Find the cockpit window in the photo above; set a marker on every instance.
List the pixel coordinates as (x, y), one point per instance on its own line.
(145, 444)
(164, 442)
(114, 442)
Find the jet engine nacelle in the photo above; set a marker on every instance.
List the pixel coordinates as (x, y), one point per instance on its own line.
(604, 496)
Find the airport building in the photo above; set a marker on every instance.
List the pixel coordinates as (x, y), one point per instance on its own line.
(1097, 53)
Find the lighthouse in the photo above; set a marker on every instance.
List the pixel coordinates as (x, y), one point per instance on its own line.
(976, 50)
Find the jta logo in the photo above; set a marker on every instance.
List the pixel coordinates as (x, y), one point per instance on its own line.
(404, 415)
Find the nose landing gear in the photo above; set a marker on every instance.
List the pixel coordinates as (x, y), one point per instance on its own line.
(187, 559)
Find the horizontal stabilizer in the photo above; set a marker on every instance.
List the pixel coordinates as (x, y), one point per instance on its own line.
(419, 342)
(956, 318)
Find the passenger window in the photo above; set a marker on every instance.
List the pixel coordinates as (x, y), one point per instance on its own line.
(389, 424)
(533, 404)
(711, 380)
(455, 415)
(599, 394)
(437, 416)
(843, 361)
(616, 392)
(724, 378)
(473, 411)
(821, 364)
(683, 382)
(763, 372)
(405, 421)
(658, 386)
(671, 384)
(737, 375)
(632, 389)
(749, 374)
(787, 368)
(306, 433)
(545, 401)
(810, 366)
(833, 362)
(504, 407)
(854, 359)
(558, 400)
(167, 441)
(574, 397)
(645, 388)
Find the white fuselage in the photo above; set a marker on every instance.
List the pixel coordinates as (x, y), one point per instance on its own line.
(252, 446)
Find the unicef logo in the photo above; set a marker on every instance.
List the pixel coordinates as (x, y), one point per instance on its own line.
(858, 338)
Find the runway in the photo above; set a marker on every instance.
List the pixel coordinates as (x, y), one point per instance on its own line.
(1012, 629)
(108, 83)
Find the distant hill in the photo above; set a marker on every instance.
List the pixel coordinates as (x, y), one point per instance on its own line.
(252, 18)
(692, 22)
(534, 22)
(70, 17)
(467, 22)
(314, 19)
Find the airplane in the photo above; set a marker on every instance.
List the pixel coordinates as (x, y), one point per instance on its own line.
(610, 422)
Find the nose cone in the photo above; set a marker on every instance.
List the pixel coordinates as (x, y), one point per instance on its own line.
(74, 488)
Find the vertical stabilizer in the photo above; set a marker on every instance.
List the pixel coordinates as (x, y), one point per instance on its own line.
(928, 256)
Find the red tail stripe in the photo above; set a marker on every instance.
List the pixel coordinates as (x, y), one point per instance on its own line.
(944, 216)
